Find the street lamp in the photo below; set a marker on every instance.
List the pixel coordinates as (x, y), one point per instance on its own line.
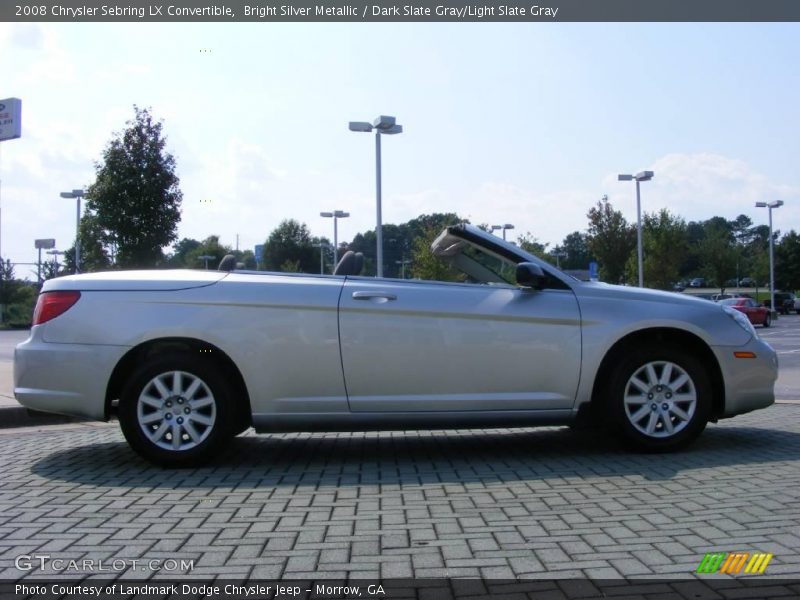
(639, 177)
(335, 215)
(383, 125)
(322, 247)
(77, 194)
(55, 254)
(403, 264)
(503, 227)
(770, 206)
(493, 228)
(206, 258)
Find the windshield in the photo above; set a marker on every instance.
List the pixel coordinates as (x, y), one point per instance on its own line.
(730, 301)
(471, 258)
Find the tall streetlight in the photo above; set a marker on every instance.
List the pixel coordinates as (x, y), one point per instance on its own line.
(322, 247)
(77, 194)
(493, 228)
(383, 125)
(403, 264)
(639, 177)
(55, 254)
(503, 227)
(335, 215)
(770, 206)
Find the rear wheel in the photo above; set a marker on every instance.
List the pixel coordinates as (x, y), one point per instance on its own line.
(768, 320)
(175, 410)
(660, 398)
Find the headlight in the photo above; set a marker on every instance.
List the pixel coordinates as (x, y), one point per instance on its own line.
(741, 319)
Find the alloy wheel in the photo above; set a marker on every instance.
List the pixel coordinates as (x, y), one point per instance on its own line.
(660, 399)
(176, 410)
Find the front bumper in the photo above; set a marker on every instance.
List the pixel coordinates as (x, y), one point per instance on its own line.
(67, 379)
(749, 382)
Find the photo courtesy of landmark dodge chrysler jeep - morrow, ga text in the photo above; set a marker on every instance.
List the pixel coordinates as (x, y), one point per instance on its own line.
(191, 358)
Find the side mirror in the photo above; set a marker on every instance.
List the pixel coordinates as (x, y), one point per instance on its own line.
(530, 275)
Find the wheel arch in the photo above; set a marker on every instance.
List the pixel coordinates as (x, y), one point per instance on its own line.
(679, 337)
(136, 355)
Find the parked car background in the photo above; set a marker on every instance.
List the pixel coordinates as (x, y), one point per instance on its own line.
(784, 302)
(757, 314)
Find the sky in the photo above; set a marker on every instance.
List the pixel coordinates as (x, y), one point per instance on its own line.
(520, 123)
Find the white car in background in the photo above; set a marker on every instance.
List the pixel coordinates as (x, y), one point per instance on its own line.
(195, 357)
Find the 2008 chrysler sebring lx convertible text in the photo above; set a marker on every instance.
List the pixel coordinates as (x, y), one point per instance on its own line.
(195, 357)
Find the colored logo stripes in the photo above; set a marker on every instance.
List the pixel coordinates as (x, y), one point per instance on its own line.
(732, 563)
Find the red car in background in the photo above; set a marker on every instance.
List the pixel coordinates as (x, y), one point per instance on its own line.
(758, 315)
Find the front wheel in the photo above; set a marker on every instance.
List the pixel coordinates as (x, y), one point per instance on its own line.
(175, 410)
(660, 398)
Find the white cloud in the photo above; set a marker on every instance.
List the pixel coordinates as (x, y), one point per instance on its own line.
(700, 186)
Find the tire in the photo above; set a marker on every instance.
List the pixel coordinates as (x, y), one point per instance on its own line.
(152, 398)
(768, 320)
(659, 398)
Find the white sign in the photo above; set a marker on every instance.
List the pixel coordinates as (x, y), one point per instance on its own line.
(10, 119)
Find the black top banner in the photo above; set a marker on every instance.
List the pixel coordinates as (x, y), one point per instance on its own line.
(420, 11)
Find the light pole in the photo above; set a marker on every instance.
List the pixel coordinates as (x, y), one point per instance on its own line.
(402, 264)
(322, 247)
(639, 177)
(503, 227)
(77, 194)
(558, 256)
(770, 206)
(206, 258)
(383, 125)
(55, 254)
(335, 215)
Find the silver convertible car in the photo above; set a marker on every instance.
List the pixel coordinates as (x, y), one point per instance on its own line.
(191, 358)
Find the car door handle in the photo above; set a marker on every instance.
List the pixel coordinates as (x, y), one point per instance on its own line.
(373, 295)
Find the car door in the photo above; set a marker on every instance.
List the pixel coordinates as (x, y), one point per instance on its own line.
(434, 346)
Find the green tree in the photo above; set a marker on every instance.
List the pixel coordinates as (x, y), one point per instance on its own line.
(245, 257)
(290, 246)
(424, 264)
(95, 247)
(787, 262)
(530, 244)
(717, 252)
(177, 260)
(610, 239)
(17, 297)
(135, 197)
(575, 251)
(208, 247)
(665, 246)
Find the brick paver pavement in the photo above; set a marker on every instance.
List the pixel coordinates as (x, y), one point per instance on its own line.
(527, 503)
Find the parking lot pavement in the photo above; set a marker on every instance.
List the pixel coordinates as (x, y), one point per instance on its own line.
(784, 336)
(528, 503)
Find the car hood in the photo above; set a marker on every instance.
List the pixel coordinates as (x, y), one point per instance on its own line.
(135, 280)
(624, 293)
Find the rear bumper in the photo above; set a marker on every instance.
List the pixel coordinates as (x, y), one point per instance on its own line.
(749, 382)
(67, 379)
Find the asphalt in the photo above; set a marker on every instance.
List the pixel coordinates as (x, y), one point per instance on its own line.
(784, 336)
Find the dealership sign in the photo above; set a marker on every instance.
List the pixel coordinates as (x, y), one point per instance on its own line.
(10, 118)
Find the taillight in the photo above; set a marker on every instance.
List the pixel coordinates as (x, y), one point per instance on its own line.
(51, 304)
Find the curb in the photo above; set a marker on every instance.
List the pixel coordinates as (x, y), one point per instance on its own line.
(19, 416)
